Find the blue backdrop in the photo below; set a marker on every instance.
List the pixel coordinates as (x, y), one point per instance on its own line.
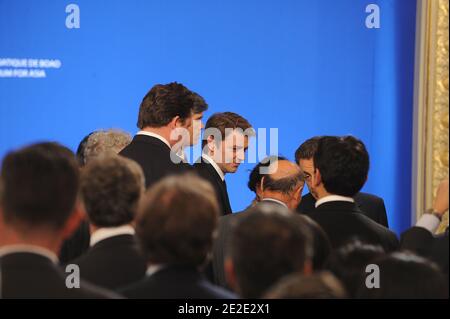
(306, 67)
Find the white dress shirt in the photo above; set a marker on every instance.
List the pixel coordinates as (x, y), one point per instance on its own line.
(214, 164)
(105, 233)
(429, 222)
(159, 137)
(153, 269)
(334, 198)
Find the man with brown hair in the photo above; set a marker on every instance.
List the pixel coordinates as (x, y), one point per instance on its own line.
(225, 141)
(39, 208)
(111, 187)
(170, 118)
(175, 226)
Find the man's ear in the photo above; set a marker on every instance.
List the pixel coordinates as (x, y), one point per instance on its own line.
(176, 122)
(261, 185)
(258, 191)
(230, 274)
(211, 143)
(184, 123)
(298, 191)
(74, 220)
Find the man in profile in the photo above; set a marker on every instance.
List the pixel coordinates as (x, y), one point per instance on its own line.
(170, 118)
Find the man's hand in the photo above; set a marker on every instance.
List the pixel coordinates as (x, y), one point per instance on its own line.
(441, 201)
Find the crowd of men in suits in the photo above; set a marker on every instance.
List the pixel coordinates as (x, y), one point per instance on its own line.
(138, 221)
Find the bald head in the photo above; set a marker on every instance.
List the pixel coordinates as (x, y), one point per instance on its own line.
(283, 181)
(283, 169)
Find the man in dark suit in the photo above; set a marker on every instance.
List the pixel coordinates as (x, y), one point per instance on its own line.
(93, 145)
(39, 209)
(170, 118)
(370, 205)
(175, 227)
(421, 239)
(267, 243)
(224, 144)
(113, 260)
(282, 186)
(341, 165)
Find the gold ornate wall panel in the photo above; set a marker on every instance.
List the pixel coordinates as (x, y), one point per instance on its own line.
(431, 127)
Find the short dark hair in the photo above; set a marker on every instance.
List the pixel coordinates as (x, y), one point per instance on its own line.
(321, 285)
(111, 187)
(267, 243)
(255, 175)
(348, 263)
(224, 121)
(166, 101)
(407, 276)
(177, 219)
(39, 185)
(320, 243)
(307, 149)
(343, 163)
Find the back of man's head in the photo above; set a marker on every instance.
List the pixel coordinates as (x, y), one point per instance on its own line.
(39, 186)
(403, 275)
(176, 221)
(104, 142)
(111, 186)
(321, 285)
(268, 243)
(167, 101)
(348, 263)
(343, 163)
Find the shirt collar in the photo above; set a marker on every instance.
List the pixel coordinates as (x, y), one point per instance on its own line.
(334, 198)
(105, 233)
(29, 249)
(274, 200)
(214, 164)
(159, 137)
(152, 269)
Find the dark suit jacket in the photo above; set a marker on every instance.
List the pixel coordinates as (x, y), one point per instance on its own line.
(30, 276)
(154, 157)
(424, 243)
(222, 244)
(76, 245)
(207, 171)
(113, 263)
(343, 221)
(370, 205)
(176, 282)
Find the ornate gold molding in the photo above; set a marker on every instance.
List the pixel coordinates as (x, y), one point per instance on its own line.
(431, 125)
